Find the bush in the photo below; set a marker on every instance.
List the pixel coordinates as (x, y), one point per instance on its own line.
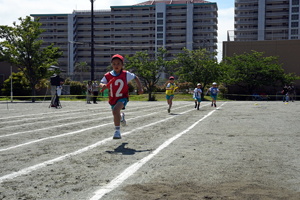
(76, 88)
(21, 86)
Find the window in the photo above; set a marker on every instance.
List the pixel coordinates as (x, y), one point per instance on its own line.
(294, 24)
(295, 17)
(295, 2)
(160, 35)
(295, 9)
(160, 15)
(160, 28)
(160, 42)
(294, 31)
(160, 22)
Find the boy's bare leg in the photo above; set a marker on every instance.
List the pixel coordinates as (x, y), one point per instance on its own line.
(116, 113)
(171, 101)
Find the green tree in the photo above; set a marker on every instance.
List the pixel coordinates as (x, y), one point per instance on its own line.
(149, 69)
(21, 85)
(251, 71)
(198, 66)
(81, 67)
(22, 47)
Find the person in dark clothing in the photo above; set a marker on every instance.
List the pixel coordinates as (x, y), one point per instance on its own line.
(285, 93)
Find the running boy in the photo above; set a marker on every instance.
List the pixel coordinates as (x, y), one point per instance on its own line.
(197, 95)
(213, 93)
(118, 90)
(170, 92)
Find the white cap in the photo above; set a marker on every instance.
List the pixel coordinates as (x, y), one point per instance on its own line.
(214, 83)
(198, 84)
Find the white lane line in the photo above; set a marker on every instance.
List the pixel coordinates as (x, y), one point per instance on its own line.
(60, 120)
(38, 118)
(17, 116)
(70, 133)
(56, 126)
(50, 162)
(116, 182)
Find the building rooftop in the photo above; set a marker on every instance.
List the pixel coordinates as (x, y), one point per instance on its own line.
(153, 2)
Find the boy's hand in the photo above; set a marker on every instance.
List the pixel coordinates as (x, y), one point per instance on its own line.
(104, 87)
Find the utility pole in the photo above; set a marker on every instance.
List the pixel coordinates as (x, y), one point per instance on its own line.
(92, 40)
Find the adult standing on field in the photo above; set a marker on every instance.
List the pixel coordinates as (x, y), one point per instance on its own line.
(291, 91)
(89, 92)
(284, 93)
(95, 91)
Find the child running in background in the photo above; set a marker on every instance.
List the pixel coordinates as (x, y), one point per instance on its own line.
(118, 90)
(170, 92)
(197, 95)
(213, 93)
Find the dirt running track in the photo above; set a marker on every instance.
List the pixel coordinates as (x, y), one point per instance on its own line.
(238, 151)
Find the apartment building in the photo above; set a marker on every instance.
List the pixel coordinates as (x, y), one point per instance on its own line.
(127, 29)
(266, 20)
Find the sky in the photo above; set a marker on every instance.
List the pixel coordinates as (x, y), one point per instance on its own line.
(11, 10)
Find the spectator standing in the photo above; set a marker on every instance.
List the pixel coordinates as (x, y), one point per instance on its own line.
(284, 93)
(291, 91)
(89, 92)
(95, 91)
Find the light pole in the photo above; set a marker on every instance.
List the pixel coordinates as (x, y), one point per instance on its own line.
(11, 86)
(92, 39)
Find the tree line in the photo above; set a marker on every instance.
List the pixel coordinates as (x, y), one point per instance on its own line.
(21, 47)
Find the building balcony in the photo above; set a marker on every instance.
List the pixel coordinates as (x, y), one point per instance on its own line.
(202, 10)
(251, 8)
(251, 15)
(277, 7)
(277, 21)
(268, 14)
(175, 38)
(54, 33)
(246, 1)
(252, 22)
(176, 17)
(176, 31)
(52, 20)
(141, 12)
(205, 17)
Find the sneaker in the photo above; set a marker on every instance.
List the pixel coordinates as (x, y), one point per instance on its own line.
(211, 105)
(123, 121)
(117, 135)
(169, 110)
(198, 109)
(215, 105)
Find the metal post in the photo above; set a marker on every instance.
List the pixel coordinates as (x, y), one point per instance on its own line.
(11, 87)
(92, 40)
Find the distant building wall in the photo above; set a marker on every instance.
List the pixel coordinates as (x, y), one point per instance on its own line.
(287, 50)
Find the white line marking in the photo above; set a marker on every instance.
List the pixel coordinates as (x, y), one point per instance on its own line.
(50, 162)
(56, 120)
(133, 168)
(45, 113)
(66, 134)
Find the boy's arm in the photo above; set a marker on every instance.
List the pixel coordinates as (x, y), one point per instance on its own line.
(138, 82)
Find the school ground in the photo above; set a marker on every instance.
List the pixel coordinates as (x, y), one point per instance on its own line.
(238, 150)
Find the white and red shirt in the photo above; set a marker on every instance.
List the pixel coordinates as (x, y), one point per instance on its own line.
(119, 88)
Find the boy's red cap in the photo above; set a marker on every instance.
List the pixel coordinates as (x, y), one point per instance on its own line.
(171, 77)
(117, 56)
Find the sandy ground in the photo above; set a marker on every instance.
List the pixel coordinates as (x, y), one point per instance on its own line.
(238, 151)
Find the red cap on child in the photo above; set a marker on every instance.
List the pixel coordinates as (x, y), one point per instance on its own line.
(171, 77)
(117, 56)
